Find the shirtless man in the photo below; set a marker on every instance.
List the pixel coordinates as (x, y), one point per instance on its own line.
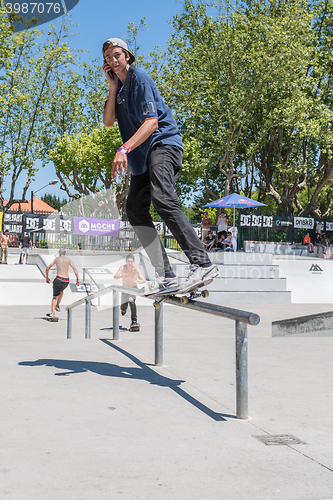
(131, 276)
(61, 281)
(4, 241)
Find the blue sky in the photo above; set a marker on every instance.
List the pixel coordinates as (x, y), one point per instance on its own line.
(99, 20)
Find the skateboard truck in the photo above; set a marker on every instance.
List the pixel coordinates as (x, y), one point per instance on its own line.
(185, 297)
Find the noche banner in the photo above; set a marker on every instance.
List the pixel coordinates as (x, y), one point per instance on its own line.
(96, 227)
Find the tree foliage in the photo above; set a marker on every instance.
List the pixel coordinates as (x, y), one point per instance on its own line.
(251, 84)
(54, 201)
(25, 93)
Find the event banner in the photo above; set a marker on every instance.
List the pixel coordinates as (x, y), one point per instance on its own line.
(126, 231)
(95, 227)
(13, 223)
(57, 224)
(252, 220)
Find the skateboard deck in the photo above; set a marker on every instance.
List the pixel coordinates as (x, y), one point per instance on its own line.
(186, 294)
(52, 319)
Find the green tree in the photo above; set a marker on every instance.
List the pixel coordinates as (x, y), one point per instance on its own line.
(54, 201)
(84, 161)
(26, 87)
(250, 83)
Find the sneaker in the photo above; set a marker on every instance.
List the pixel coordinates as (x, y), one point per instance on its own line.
(50, 315)
(198, 274)
(57, 308)
(123, 312)
(160, 285)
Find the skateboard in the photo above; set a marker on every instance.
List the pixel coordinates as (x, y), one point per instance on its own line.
(187, 294)
(134, 328)
(53, 319)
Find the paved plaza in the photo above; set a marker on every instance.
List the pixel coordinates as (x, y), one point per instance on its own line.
(95, 419)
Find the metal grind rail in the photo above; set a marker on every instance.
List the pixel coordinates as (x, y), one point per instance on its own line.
(241, 318)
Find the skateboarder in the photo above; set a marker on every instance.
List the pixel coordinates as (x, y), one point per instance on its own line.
(61, 281)
(153, 150)
(131, 276)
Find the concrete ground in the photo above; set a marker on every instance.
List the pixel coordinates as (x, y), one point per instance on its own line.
(95, 419)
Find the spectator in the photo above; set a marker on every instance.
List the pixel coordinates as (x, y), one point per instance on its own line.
(317, 242)
(307, 241)
(221, 243)
(4, 242)
(326, 241)
(205, 223)
(319, 227)
(222, 224)
(231, 242)
(209, 241)
(26, 245)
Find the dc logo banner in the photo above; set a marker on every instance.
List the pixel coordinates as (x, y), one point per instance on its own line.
(32, 223)
(49, 225)
(24, 14)
(65, 224)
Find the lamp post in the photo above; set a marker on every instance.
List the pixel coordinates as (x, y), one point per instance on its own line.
(51, 183)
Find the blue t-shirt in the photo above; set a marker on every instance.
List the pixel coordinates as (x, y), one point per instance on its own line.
(137, 101)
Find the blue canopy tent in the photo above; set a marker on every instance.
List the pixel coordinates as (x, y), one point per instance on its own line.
(235, 201)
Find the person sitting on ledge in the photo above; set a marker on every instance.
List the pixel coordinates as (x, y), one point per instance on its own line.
(231, 243)
(307, 241)
(221, 243)
(209, 241)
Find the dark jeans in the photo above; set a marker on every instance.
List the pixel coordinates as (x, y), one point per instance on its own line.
(129, 299)
(157, 185)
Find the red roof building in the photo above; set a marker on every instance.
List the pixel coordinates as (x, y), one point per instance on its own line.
(39, 206)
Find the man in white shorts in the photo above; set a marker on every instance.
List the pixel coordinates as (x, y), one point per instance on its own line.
(26, 245)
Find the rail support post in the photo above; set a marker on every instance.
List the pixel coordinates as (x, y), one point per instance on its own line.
(159, 336)
(69, 323)
(115, 311)
(241, 371)
(88, 320)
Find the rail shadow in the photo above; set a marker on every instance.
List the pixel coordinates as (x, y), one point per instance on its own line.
(141, 372)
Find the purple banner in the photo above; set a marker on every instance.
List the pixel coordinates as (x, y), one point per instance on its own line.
(96, 227)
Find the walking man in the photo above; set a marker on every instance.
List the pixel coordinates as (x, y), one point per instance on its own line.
(153, 151)
(26, 245)
(61, 281)
(131, 276)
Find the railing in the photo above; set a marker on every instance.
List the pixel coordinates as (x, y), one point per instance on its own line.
(241, 318)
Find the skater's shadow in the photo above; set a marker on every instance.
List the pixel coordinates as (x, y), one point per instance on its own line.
(141, 372)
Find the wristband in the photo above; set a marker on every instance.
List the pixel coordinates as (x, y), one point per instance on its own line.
(122, 150)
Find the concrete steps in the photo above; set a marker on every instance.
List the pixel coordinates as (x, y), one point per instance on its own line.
(243, 278)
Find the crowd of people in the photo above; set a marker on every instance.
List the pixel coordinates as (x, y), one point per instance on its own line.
(320, 241)
(224, 239)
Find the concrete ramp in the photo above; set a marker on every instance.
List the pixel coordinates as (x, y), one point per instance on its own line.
(313, 325)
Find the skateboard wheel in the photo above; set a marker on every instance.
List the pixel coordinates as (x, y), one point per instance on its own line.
(184, 300)
(157, 305)
(205, 293)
